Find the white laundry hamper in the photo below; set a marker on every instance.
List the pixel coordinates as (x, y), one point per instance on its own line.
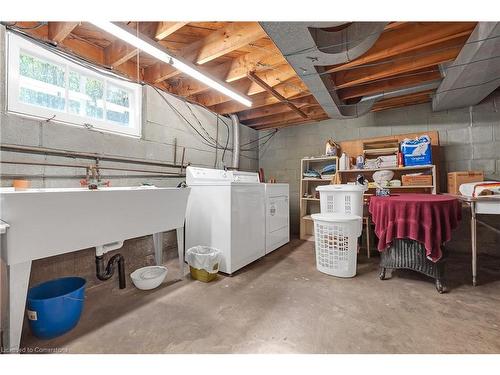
(342, 198)
(336, 243)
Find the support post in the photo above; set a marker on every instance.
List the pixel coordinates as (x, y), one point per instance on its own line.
(158, 246)
(180, 250)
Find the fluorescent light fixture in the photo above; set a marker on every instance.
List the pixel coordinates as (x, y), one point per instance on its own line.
(161, 55)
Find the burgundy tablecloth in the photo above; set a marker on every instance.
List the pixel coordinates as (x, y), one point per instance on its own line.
(426, 218)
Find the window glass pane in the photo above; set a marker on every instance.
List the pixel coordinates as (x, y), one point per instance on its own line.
(41, 83)
(85, 96)
(117, 105)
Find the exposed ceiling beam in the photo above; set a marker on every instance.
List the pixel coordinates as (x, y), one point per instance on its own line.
(118, 53)
(287, 116)
(293, 89)
(272, 109)
(409, 37)
(231, 71)
(386, 85)
(411, 61)
(58, 31)
(256, 79)
(284, 124)
(258, 60)
(164, 29)
(401, 101)
(230, 38)
(271, 77)
(218, 43)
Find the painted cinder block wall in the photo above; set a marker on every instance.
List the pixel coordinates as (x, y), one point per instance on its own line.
(161, 125)
(469, 138)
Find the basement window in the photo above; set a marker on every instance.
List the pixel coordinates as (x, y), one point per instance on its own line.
(45, 85)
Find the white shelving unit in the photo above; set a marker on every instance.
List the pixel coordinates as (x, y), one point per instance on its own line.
(309, 205)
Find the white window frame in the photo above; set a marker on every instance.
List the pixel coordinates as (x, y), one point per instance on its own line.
(16, 44)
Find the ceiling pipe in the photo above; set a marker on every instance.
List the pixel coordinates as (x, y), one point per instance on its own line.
(235, 121)
(475, 73)
(309, 47)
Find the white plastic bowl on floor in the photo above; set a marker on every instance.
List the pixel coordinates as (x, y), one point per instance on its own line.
(147, 278)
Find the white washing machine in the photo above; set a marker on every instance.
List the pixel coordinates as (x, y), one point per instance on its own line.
(277, 216)
(226, 210)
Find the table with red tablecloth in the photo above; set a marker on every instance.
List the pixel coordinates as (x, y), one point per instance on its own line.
(428, 219)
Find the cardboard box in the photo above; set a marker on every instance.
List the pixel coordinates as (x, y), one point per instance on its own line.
(455, 179)
(416, 180)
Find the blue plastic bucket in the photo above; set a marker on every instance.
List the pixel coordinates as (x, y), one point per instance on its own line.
(55, 306)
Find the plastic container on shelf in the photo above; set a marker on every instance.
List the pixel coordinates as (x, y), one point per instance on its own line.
(336, 243)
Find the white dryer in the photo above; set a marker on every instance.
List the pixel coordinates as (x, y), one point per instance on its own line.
(277, 216)
(226, 210)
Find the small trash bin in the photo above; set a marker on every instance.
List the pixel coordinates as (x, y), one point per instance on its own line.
(203, 262)
(54, 307)
(336, 243)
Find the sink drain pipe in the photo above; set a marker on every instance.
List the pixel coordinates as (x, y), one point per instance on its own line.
(103, 272)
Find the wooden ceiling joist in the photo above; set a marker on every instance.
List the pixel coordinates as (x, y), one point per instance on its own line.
(411, 61)
(232, 37)
(283, 124)
(277, 108)
(291, 90)
(259, 81)
(164, 29)
(386, 85)
(287, 116)
(58, 31)
(409, 37)
(118, 53)
(401, 101)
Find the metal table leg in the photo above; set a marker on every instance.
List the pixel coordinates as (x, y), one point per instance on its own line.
(473, 227)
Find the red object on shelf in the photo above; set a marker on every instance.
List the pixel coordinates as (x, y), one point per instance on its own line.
(400, 160)
(426, 218)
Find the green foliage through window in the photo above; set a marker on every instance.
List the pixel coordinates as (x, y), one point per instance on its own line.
(58, 86)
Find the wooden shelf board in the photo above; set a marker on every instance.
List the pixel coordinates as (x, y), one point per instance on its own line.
(317, 179)
(321, 158)
(310, 199)
(410, 168)
(407, 187)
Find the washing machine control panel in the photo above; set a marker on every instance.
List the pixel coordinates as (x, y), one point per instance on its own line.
(206, 176)
(245, 177)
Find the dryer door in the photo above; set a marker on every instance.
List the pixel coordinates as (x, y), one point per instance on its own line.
(277, 211)
(277, 231)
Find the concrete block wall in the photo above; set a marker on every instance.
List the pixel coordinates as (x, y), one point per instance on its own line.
(161, 125)
(469, 138)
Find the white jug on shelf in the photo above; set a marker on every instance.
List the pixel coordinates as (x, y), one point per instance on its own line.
(344, 162)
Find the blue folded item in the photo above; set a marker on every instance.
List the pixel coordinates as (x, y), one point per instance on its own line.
(329, 169)
(311, 173)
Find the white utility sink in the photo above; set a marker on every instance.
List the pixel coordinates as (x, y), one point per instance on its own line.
(47, 222)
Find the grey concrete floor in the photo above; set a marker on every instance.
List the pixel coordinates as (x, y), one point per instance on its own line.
(281, 304)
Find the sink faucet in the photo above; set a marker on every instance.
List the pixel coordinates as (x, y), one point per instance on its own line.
(93, 178)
